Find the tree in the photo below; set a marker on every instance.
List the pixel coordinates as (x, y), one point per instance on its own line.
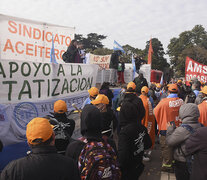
(92, 42)
(189, 43)
(129, 51)
(102, 51)
(159, 62)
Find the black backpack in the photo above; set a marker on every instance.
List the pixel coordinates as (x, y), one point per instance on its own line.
(189, 158)
(62, 138)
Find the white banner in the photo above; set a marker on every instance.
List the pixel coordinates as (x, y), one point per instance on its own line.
(102, 61)
(15, 117)
(32, 81)
(31, 40)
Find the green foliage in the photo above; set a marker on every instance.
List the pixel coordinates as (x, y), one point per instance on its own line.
(159, 62)
(102, 51)
(92, 41)
(189, 43)
(129, 51)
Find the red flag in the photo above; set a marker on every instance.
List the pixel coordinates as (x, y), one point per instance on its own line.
(150, 51)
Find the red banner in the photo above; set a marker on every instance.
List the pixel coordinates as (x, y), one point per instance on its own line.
(195, 69)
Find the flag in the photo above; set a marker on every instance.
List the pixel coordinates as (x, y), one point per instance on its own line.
(52, 53)
(150, 51)
(161, 80)
(117, 47)
(133, 67)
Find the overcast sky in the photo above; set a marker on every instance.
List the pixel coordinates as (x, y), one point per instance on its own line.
(130, 22)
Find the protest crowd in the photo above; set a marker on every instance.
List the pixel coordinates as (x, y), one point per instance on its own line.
(118, 134)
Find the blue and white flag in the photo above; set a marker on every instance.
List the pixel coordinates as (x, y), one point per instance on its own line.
(117, 47)
(161, 80)
(133, 67)
(52, 53)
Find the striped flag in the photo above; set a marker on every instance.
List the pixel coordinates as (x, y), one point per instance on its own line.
(117, 47)
(52, 53)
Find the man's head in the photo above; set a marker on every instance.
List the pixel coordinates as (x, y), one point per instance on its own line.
(145, 90)
(91, 121)
(131, 86)
(101, 102)
(60, 107)
(173, 88)
(141, 75)
(74, 42)
(39, 132)
(93, 92)
(179, 82)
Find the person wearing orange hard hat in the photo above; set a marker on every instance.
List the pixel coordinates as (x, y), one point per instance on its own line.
(42, 162)
(167, 111)
(148, 121)
(93, 92)
(203, 107)
(108, 116)
(61, 119)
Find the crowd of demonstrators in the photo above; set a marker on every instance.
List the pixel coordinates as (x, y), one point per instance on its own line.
(43, 162)
(96, 154)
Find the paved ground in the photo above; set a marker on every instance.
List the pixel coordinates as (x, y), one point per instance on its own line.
(153, 168)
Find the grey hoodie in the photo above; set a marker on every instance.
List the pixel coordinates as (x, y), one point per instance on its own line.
(176, 138)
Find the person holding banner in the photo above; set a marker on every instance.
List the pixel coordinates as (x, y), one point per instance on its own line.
(113, 66)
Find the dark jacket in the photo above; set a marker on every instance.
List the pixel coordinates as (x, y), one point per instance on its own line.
(91, 127)
(176, 138)
(109, 121)
(43, 163)
(114, 60)
(196, 144)
(133, 137)
(106, 91)
(71, 54)
(140, 82)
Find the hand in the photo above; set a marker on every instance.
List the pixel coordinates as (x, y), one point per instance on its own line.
(168, 125)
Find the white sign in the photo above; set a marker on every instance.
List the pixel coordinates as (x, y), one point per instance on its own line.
(102, 61)
(15, 117)
(32, 81)
(31, 40)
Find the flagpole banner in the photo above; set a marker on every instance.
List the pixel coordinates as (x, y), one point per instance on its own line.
(32, 40)
(102, 61)
(29, 89)
(195, 69)
(118, 47)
